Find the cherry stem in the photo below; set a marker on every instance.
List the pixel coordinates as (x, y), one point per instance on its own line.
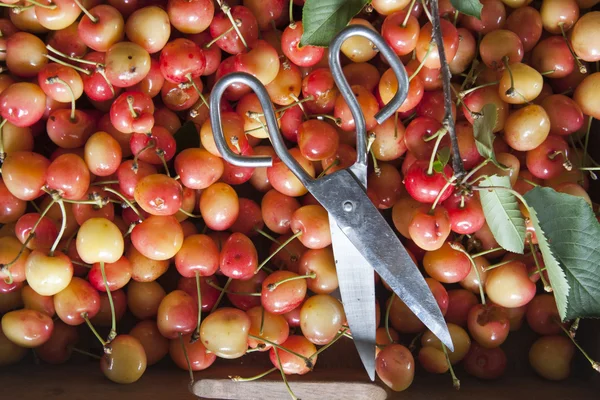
(113, 327)
(474, 170)
(299, 103)
(387, 317)
(465, 92)
(272, 239)
(187, 359)
(125, 200)
(2, 153)
(70, 58)
(274, 285)
(84, 315)
(277, 250)
(407, 120)
(323, 117)
(56, 79)
(339, 335)
(413, 343)
(306, 360)
(566, 164)
(335, 163)
(291, 12)
(86, 12)
(161, 154)
(528, 181)
(151, 144)
(227, 11)
(440, 135)
(371, 136)
(511, 90)
(486, 252)
(262, 321)
(196, 334)
(63, 226)
(215, 286)
(573, 328)
(501, 263)
(582, 68)
(221, 294)
(395, 125)
(439, 196)
(547, 286)
(586, 142)
(221, 36)
(130, 101)
(61, 62)
(198, 91)
(285, 381)
(595, 364)
(448, 121)
(41, 5)
(80, 263)
(456, 247)
(455, 380)
(422, 63)
(85, 353)
(408, 13)
(100, 183)
(181, 210)
(253, 378)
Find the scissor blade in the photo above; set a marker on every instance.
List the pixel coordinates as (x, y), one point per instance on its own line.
(341, 195)
(357, 288)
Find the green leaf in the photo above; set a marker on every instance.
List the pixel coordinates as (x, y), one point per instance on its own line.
(502, 214)
(442, 158)
(469, 7)
(572, 231)
(323, 19)
(186, 137)
(483, 130)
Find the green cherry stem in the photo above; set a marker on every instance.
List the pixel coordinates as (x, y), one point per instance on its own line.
(113, 326)
(221, 294)
(63, 226)
(277, 250)
(84, 315)
(274, 285)
(306, 360)
(125, 200)
(255, 377)
(196, 334)
(387, 317)
(187, 359)
(285, 381)
(408, 13)
(486, 252)
(595, 364)
(438, 140)
(85, 353)
(455, 380)
(547, 286)
(475, 268)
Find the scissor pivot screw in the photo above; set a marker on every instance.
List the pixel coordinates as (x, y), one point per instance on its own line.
(348, 206)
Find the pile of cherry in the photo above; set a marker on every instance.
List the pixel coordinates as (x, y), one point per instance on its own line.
(101, 199)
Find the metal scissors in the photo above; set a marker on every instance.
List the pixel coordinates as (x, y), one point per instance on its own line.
(362, 240)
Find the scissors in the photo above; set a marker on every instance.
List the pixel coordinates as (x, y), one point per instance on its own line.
(362, 240)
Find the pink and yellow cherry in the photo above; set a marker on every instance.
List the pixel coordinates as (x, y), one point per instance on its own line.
(322, 263)
(25, 54)
(317, 140)
(249, 219)
(27, 328)
(144, 269)
(153, 83)
(282, 291)
(284, 181)
(542, 315)
(262, 61)
(586, 95)
(359, 49)
(177, 314)
(158, 237)
(431, 58)
(22, 104)
(584, 37)
(559, 15)
(197, 168)
(389, 143)
(48, 275)
(429, 229)
(460, 301)
(56, 90)
(384, 186)
(401, 37)
(182, 60)
(11, 252)
(465, 212)
(266, 325)
(159, 194)
(126, 361)
(209, 294)
(46, 232)
(526, 22)
(149, 27)
(550, 158)
(509, 285)
(34, 301)
(126, 64)
(320, 85)
(192, 16)
(485, 363)
(286, 86)
(58, 349)
(228, 39)
(395, 366)
(526, 128)
(118, 274)
(476, 278)
(144, 298)
(302, 56)
(493, 16)
(564, 113)
(239, 258)
(551, 356)
(446, 265)
(195, 351)
(99, 240)
(321, 318)
(291, 364)
(461, 342)
(368, 104)
(488, 325)
(156, 347)
(313, 223)
(69, 175)
(11, 208)
(77, 302)
(198, 255)
(553, 54)
(132, 112)
(426, 187)
(233, 130)
(225, 332)
(474, 102)
(101, 27)
(102, 154)
(465, 52)
(520, 84)
(219, 206)
(95, 84)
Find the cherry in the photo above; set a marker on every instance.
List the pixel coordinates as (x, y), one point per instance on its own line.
(285, 296)
(22, 104)
(305, 56)
(233, 130)
(277, 210)
(359, 49)
(229, 40)
(498, 45)
(553, 54)
(465, 52)
(177, 314)
(243, 300)
(271, 327)
(102, 154)
(368, 104)
(153, 147)
(34, 301)
(219, 206)
(384, 186)
(317, 140)
(465, 212)
(493, 17)
(181, 60)
(362, 74)
(286, 86)
(126, 361)
(584, 37)
(527, 128)
(78, 301)
(395, 366)
(101, 27)
(158, 194)
(11, 208)
(488, 325)
(417, 137)
(526, 22)
(288, 259)
(225, 332)
(320, 85)
(291, 364)
(584, 95)
(149, 27)
(509, 285)
(550, 357)
(262, 61)
(132, 112)
(46, 232)
(156, 347)
(520, 84)
(401, 37)
(474, 102)
(48, 275)
(550, 158)
(158, 237)
(192, 16)
(25, 54)
(485, 363)
(153, 82)
(239, 258)
(118, 275)
(425, 187)
(126, 64)
(446, 264)
(27, 328)
(144, 298)
(95, 83)
(283, 180)
(129, 177)
(58, 349)
(24, 174)
(566, 121)
(431, 58)
(313, 222)
(104, 316)
(99, 240)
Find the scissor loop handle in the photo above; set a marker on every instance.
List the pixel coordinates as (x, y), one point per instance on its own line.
(346, 90)
(272, 128)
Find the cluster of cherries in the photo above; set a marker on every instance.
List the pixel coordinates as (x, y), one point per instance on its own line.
(101, 209)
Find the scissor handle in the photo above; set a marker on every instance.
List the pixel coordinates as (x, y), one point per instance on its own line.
(272, 128)
(346, 90)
